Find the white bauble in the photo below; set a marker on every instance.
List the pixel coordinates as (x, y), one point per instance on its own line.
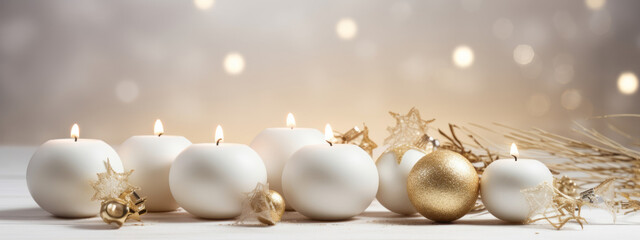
(330, 182)
(392, 192)
(209, 180)
(60, 172)
(151, 157)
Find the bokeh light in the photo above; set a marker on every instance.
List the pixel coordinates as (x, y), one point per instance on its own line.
(234, 63)
(627, 83)
(346, 28)
(127, 91)
(463, 56)
(571, 99)
(203, 4)
(595, 4)
(523, 54)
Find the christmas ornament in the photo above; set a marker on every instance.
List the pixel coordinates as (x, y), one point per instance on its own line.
(208, 180)
(409, 128)
(394, 166)
(118, 199)
(443, 186)
(151, 156)
(330, 181)
(551, 205)
(502, 182)
(265, 205)
(59, 170)
(353, 135)
(129, 205)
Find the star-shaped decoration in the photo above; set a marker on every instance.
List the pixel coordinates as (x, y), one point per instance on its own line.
(111, 184)
(409, 128)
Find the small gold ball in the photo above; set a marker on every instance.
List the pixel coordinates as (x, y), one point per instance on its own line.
(276, 200)
(443, 186)
(115, 210)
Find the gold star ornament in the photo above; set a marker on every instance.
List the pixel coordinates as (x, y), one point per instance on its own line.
(119, 201)
(408, 129)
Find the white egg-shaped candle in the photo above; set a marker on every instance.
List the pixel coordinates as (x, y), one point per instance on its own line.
(151, 156)
(502, 182)
(330, 181)
(394, 166)
(276, 145)
(59, 173)
(209, 180)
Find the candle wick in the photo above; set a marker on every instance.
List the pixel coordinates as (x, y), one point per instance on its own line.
(514, 156)
(218, 141)
(75, 139)
(329, 142)
(291, 127)
(159, 134)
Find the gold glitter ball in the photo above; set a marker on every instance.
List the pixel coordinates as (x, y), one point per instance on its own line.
(443, 186)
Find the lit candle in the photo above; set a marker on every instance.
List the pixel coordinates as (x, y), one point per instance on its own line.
(60, 170)
(276, 145)
(330, 181)
(151, 156)
(208, 180)
(502, 182)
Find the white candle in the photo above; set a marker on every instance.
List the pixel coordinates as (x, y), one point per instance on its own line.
(276, 145)
(151, 156)
(209, 179)
(502, 182)
(60, 170)
(330, 182)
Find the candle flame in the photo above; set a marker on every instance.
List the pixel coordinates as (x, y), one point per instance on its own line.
(514, 150)
(75, 131)
(219, 134)
(291, 122)
(328, 133)
(157, 128)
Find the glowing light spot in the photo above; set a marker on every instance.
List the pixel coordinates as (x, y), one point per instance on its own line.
(538, 105)
(502, 28)
(627, 83)
(571, 99)
(127, 91)
(523, 54)
(234, 63)
(346, 28)
(203, 4)
(595, 4)
(463, 56)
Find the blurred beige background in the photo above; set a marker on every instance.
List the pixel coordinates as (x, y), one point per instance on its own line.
(115, 66)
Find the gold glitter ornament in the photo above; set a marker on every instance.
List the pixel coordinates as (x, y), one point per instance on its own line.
(443, 186)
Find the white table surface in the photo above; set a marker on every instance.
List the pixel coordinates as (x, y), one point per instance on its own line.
(21, 218)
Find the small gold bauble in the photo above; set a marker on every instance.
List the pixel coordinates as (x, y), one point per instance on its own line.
(274, 199)
(443, 186)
